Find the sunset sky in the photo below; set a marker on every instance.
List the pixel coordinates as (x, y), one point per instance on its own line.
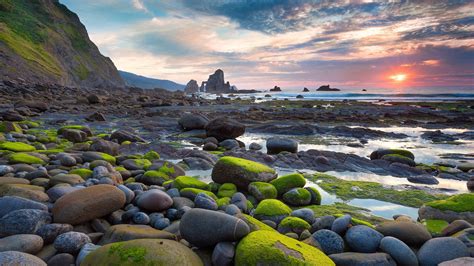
(292, 44)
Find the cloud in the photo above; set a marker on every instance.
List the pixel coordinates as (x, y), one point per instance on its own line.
(139, 5)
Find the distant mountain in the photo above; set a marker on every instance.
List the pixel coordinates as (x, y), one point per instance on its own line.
(42, 41)
(149, 83)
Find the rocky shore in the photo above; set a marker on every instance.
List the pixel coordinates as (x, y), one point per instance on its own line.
(105, 177)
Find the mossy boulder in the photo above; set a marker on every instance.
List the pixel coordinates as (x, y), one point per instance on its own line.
(457, 207)
(285, 183)
(154, 178)
(136, 164)
(191, 193)
(253, 223)
(271, 209)
(7, 127)
(223, 201)
(151, 155)
(297, 197)
(84, 129)
(262, 190)
(143, 252)
(241, 172)
(83, 172)
(294, 225)
(24, 158)
(126, 232)
(378, 154)
(396, 158)
(315, 195)
(271, 248)
(94, 155)
(189, 182)
(226, 190)
(16, 146)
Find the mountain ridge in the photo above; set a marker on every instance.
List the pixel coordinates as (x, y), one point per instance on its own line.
(140, 81)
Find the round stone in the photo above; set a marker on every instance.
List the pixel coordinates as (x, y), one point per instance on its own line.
(340, 224)
(61, 259)
(204, 201)
(154, 200)
(223, 254)
(26, 221)
(26, 243)
(20, 258)
(361, 238)
(411, 233)
(441, 249)
(276, 145)
(141, 218)
(399, 251)
(329, 241)
(13, 203)
(71, 242)
(49, 232)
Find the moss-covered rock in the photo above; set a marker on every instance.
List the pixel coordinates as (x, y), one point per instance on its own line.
(83, 172)
(143, 252)
(262, 190)
(253, 223)
(457, 207)
(338, 209)
(44, 135)
(189, 182)
(226, 190)
(136, 164)
(191, 193)
(241, 172)
(94, 155)
(396, 158)
(285, 183)
(151, 155)
(7, 127)
(24, 158)
(271, 209)
(315, 195)
(297, 197)
(84, 129)
(154, 178)
(223, 201)
(271, 248)
(16, 146)
(294, 225)
(378, 154)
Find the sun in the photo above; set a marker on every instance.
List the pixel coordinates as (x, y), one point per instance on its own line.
(398, 77)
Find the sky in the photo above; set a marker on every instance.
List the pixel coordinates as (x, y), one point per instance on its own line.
(394, 45)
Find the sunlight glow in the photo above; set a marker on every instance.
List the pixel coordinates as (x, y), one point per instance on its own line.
(398, 77)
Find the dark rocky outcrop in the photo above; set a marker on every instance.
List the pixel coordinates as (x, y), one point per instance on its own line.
(192, 87)
(327, 88)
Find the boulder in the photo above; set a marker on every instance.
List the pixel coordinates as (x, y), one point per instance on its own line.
(241, 172)
(271, 248)
(223, 128)
(20, 258)
(141, 252)
(285, 183)
(71, 242)
(262, 190)
(341, 224)
(105, 146)
(362, 259)
(411, 233)
(12, 203)
(190, 121)
(25, 221)
(457, 207)
(86, 204)
(423, 179)
(154, 200)
(122, 135)
(399, 251)
(361, 238)
(223, 254)
(297, 197)
(328, 241)
(293, 225)
(125, 232)
(441, 249)
(276, 145)
(204, 228)
(271, 209)
(192, 87)
(26, 243)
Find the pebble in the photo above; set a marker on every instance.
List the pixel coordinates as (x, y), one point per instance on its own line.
(340, 224)
(329, 241)
(323, 222)
(399, 251)
(411, 233)
(49, 232)
(61, 260)
(361, 238)
(12, 203)
(305, 214)
(26, 243)
(362, 259)
(25, 221)
(223, 254)
(204, 201)
(441, 249)
(20, 258)
(154, 200)
(71, 242)
(141, 218)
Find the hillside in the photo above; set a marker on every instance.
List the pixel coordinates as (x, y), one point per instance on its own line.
(42, 41)
(134, 80)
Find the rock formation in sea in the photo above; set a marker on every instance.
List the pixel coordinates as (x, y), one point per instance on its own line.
(192, 87)
(216, 83)
(327, 88)
(276, 88)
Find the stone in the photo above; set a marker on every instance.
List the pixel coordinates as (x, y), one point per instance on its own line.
(272, 209)
(341, 223)
(189, 182)
(276, 145)
(458, 262)
(136, 164)
(362, 259)
(457, 207)
(31, 192)
(361, 238)
(12, 203)
(204, 228)
(411, 233)
(378, 154)
(74, 135)
(105, 146)
(97, 116)
(441, 249)
(223, 254)
(329, 242)
(204, 201)
(192, 87)
(20, 258)
(125, 232)
(323, 222)
(141, 218)
(70, 179)
(88, 203)
(262, 190)
(49, 232)
(297, 197)
(67, 160)
(25, 221)
(223, 128)
(423, 179)
(57, 192)
(216, 83)
(264, 247)
(285, 183)
(26, 243)
(315, 195)
(122, 135)
(305, 214)
(454, 227)
(241, 172)
(255, 146)
(293, 225)
(143, 251)
(154, 200)
(191, 121)
(94, 99)
(226, 190)
(71, 242)
(239, 200)
(399, 251)
(61, 259)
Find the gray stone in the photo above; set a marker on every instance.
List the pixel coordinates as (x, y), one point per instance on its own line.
(154, 200)
(255, 146)
(361, 238)
(229, 144)
(122, 135)
(129, 194)
(26, 243)
(205, 228)
(362, 259)
(223, 128)
(423, 179)
(323, 222)
(12, 203)
(276, 145)
(191, 121)
(441, 249)
(25, 221)
(56, 192)
(329, 241)
(399, 251)
(71, 242)
(411, 233)
(6, 169)
(49, 232)
(205, 201)
(455, 227)
(105, 146)
(61, 260)
(340, 224)
(464, 261)
(67, 160)
(223, 254)
(20, 258)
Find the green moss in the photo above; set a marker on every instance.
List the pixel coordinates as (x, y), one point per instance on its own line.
(272, 207)
(189, 182)
(284, 183)
(120, 169)
(83, 172)
(216, 152)
(297, 197)
(457, 203)
(262, 190)
(52, 151)
(166, 183)
(16, 146)
(339, 208)
(271, 248)
(152, 155)
(294, 222)
(402, 152)
(192, 192)
(10, 126)
(134, 254)
(223, 201)
(247, 165)
(44, 136)
(372, 190)
(143, 163)
(254, 224)
(226, 190)
(24, 158)
(157, 177)
(29, 124)
(167, 168)
(399, 159)
(435, 226)
(315, 195)
(106, 157)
